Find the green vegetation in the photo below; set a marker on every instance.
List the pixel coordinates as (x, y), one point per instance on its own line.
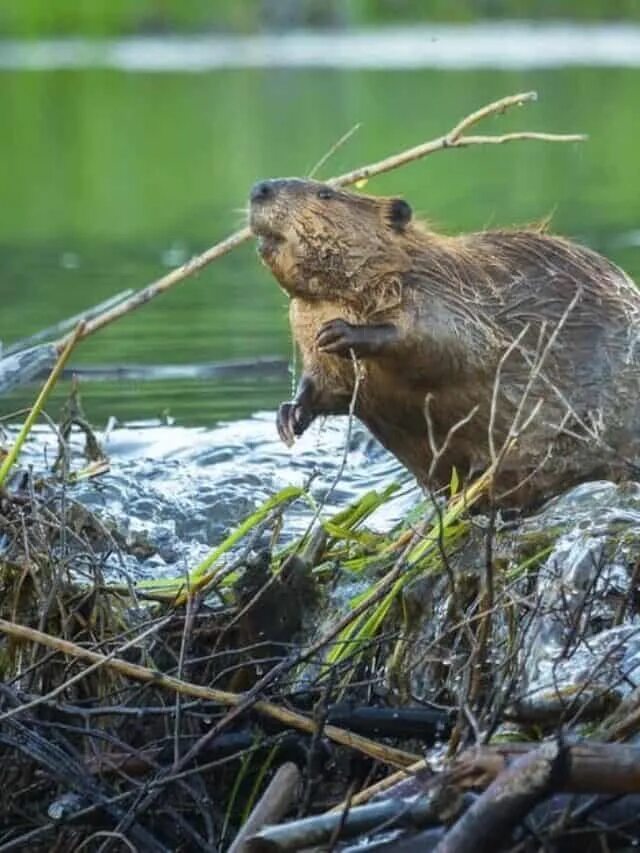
(109, 17)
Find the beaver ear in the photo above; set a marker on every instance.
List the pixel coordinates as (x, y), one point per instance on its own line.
(400, 213)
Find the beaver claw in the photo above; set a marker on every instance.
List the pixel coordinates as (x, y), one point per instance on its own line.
(338, 337)
(292, 420)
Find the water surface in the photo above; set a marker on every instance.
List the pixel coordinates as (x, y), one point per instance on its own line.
(111, 177)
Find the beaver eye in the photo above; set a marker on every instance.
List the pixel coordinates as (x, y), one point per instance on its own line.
(325, 193)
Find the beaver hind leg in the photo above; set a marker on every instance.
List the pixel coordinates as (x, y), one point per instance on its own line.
(338, 337)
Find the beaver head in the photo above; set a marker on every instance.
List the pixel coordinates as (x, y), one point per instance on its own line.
(322, 242)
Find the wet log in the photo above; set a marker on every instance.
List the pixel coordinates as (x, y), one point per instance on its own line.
(616, 818)
(418, 842)
(29, 359)
(507, 801)
(272, 366)
(427, 724)
(276, 801)
(592, 768)
(26, 366)
(408, 813)
(620, 820)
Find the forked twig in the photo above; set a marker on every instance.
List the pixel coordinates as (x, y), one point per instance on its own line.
(455, 139)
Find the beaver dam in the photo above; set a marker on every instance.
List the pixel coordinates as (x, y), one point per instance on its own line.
(327, 657)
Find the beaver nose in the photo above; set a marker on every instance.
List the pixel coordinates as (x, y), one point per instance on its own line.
(263, 191)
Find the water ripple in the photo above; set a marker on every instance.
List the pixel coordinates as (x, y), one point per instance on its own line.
(184, 489)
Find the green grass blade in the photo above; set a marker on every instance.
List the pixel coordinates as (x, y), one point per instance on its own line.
(39, 404)
(205, 572)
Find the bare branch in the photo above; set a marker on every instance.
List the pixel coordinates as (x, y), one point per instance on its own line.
(453, 139)
(494, 108)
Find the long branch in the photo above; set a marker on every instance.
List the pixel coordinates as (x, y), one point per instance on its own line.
(386, 754)
(455, 138)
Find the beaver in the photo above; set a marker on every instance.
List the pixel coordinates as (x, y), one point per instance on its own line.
(465, 345)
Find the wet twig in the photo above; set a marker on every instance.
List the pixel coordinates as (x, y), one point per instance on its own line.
(486, 825)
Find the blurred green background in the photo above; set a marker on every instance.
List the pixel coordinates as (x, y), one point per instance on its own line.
(107, 17)
(109, 178)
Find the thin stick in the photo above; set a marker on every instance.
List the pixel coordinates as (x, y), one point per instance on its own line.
(59, 328)
(453, 139)
(39, 403)
(518, 137)
(336, 145)
(494, 108)
(387, 754)
(193, 266)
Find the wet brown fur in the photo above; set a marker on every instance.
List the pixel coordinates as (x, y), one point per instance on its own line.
(458, 304)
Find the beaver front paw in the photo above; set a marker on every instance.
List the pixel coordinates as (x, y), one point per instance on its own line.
(339, 337)
(292, 420)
